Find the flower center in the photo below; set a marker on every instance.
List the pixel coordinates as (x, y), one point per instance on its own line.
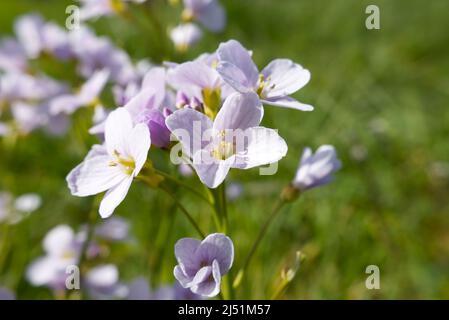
(262, 85)
(223, 149)
(117, 5)
(126, 164)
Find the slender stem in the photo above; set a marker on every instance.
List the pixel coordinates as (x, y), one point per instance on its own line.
(224, 206)
(277, 208)
(183, 210)
(182, 184)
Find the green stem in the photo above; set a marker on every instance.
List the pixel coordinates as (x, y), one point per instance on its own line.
(277, 208)
(182, 184)
(183, 210)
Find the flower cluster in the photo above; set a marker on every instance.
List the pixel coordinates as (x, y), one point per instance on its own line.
(207, 113)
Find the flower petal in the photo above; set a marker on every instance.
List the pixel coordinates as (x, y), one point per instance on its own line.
(114, 197)
(211, 172)
(239, 111)
(284, 77)
(188, 126)
(185, 253)
(94, 174)
(58, 240)
(213, 16)
(138, 144)
(217, 247)
(288, 102)
(264, 146)
(236, 66)
(117, 129)
(210, 287)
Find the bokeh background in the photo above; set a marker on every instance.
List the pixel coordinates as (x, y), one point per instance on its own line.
(380, 96)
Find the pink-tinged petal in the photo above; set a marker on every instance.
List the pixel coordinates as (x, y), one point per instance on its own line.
(239, 111)
(94, 174)
(185, 253)
(236, 66)
(138, 144)
(212, 172)
(188, 126)
(114, 197)
(117, 129)
(288, 102)
(217, 247)
(284, 77)
(141, 104)
(58, 240)
(212, 16)
(265, 146)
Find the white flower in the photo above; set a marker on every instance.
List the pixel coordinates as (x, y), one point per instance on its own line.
(316, 169)
(185, 35)
(28, 202)
(112, 166)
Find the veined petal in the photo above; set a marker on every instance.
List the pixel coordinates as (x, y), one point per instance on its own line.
(114, 197)
(236, 66)
(117, 129)
(239, 111)
(217, 247)
(284, 77)
(185, 252)
(288, 102)
(94, 174)
(265, 146)
(188, 126)
(211, 172)
(183, 279)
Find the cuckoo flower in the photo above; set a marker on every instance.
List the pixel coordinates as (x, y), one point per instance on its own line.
(274, 84)
(233, 140)
(112, 166)
(97, 8)
(316, 169)
(87, 95)
(208, 12)
(185, 35)
(201, 264)
(62, 248)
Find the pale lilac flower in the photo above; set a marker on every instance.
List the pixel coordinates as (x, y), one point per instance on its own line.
(274, 84)
(185, 36)
(62, 249)
(233, 140)
(112, 166)
(316, 169)
(28, 29)
(86, 96)
(6, 294)
(234, 191)
(98, 53)
(99, 120)
(208, 12)
(201, 264)
(103, 283)
(12, 56)
(28, 202)
(92, 9)
(28, 117)
(139, 289)
(113, 229)
(21, 86)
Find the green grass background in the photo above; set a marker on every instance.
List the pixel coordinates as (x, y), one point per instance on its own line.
(381, 97)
